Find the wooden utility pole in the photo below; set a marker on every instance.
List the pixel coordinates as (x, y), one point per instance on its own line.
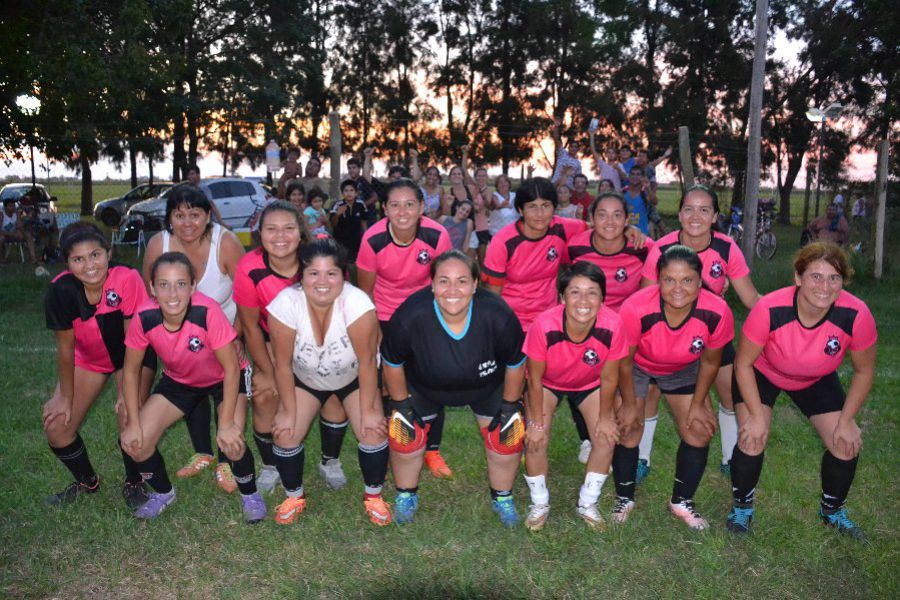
(334, 121)
(881, 201)
(751, 187)
(684, 156)
(806, 194)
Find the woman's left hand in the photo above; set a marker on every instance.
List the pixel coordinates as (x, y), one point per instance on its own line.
(231, 439)
(847, 437)
(607, 430)
(702, 418)
(635, 236)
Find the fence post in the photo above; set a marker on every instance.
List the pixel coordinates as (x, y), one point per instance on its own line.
(684, 155)
(334, 120)
(881, 201)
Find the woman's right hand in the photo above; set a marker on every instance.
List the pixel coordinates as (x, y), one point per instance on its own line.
(283, 423)
(132, 438)
(57, 407)
(535, 439)
(753, 435)
(263, 382)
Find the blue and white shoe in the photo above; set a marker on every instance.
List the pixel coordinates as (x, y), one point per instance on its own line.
(405, 506)
(643, 469)
(739, 519)
(506, 509)
(841, 521)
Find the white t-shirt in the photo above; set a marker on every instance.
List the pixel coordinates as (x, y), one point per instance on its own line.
(334, 364)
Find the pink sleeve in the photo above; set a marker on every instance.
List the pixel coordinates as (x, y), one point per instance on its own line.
(136, 293)
(649, 270)
(220, 331)
(724, 333)
(631, 324)
(573, 227)
(737, 264)
(135, 337)
(618, 348)
(365, 259)
(243, 289)
(495, 258)
(535, 346)
(756, 327)
(864, 332)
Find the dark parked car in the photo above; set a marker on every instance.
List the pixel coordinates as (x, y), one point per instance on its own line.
(112, 210)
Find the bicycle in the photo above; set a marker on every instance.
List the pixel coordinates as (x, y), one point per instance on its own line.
(766, 243)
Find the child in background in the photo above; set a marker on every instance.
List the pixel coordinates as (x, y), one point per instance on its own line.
(348, 219)
(565, 208)
(316, 219)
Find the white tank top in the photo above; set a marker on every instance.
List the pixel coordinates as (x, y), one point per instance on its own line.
(9, 221)
(214, 283)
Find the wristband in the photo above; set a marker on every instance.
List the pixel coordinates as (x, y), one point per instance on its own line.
(535, 426)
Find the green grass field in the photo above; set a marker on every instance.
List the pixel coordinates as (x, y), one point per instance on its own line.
(456, 549)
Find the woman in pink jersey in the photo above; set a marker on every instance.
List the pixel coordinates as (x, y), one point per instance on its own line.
(89, 307)
(193, 338)
(394, 262)
(677, 331)
(574, 351)
(794, 340)
(723, 262)
(260, 276)
(606, 246)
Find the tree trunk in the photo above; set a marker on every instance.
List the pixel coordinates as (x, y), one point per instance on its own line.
(226, 148)
(178, 159)
(790, 176)
(193, 137)
(132, 158)
(87, 186)
(150, 163)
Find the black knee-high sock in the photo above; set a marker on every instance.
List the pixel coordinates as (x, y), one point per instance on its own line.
(745, 471)
(245, 472)
(436, 433)
(332, 435)
(75, 458)
(689, 466)
(289, 462)
(837, 476)
(198, 422)
(264, 445)
(580, 425)
(624, 464)
(373, 462)
(132, 473)
(153, 470)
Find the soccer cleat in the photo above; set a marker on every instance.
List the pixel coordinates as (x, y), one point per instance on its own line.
(725, 469)
(436, 464)
(267, 479)
(591, 516)
(254, 507)
(506, 510)
(584, 451)
(333, 473)
(135, 494)
(685, 511)
(155, 504)
(195, 465)
(405, 506)
(841, 521)
(537, 516)
(621, 509)
(72, 491)
(288, 511)
(643, 469)
(378, 510)
(740, 518)
(225, 478)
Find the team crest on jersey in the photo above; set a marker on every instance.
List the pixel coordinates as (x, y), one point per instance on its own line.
(590, 357)
(832, 346)
(194, 344)
(424, 257)
(552, 254)
(716, 270)
(697, 345)
(621, 274)
(113, 298)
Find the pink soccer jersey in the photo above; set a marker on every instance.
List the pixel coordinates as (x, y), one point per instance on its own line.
(722, 260)
(662, 349)
(256, 285)
(794, 357)
(622, 269)
(575, 366)
(400, 270)
(526, 269)
(99, 329)
(188, 355)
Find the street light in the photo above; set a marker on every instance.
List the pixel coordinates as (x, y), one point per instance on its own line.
(29, 105)
(817, 115)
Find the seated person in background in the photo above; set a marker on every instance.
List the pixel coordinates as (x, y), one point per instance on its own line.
(12, 229)
(831, 227)
(316, 219)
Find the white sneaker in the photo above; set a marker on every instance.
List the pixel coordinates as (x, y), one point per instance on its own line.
(267, 479)
(333, 473)
(584, 451)
(622, 509)
(685, 511)
(537, 516)
(591, 516)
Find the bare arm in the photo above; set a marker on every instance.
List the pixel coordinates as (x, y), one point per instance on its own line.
(367, 164)
(254, 340)
(861, 383)
(154, 249)
(363, 335)
(283, 338)
(513, 382)
(746, 291)
(365, 280)
(414, 171)
(395, 381)
(662, 159)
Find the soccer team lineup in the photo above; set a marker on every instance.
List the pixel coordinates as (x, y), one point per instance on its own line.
(585, 310)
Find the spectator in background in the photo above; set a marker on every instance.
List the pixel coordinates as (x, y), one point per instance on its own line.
(364, 190)
(311, 177)
(291, 168)
(12, 229)
(431, 184)
(831, 227)
(637, 201)
(316, 219)
(395, 172)
(565, 156)
(608, 169)
(580, 195)
(348, 219)
(193, 178)
(860, 208)
(642, 161)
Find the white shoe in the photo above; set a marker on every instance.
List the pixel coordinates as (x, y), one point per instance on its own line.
(537, 516)
(333, 473)
(267, 479)
(622, 509)
(591, 516)
(584, 451)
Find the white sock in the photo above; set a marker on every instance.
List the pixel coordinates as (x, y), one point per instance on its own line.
(538, 487)
(294, 493)
(729, 428)
(646, 445)
(589, 493)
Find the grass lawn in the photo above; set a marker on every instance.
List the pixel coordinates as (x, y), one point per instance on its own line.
(456, 548)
